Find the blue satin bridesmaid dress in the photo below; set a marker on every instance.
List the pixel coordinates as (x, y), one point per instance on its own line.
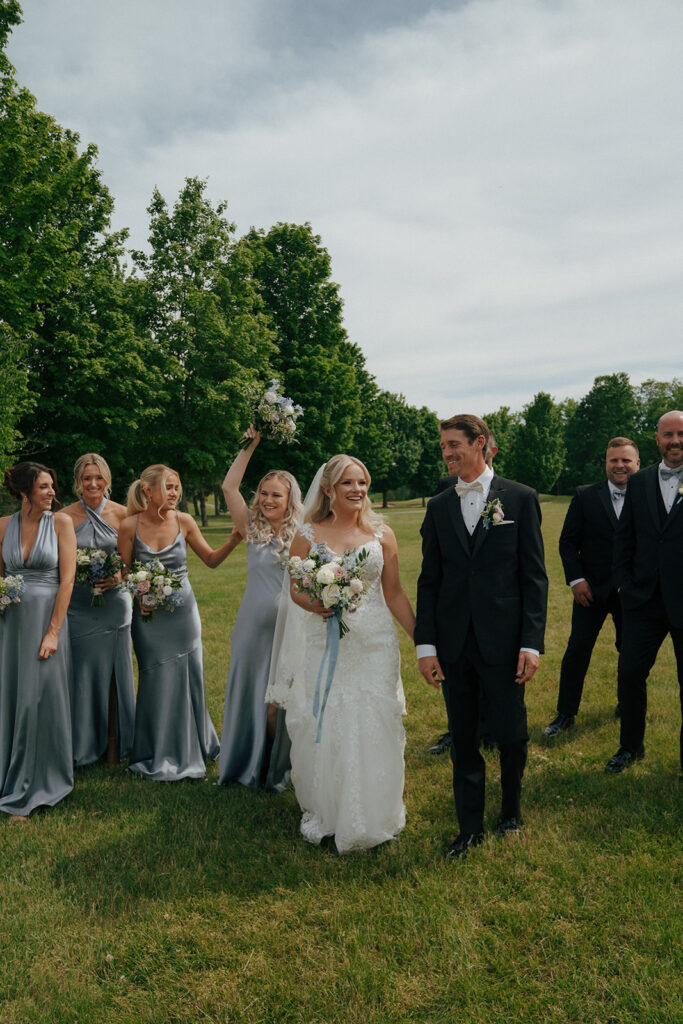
(100, 647)
(36, 754)
(174, 734)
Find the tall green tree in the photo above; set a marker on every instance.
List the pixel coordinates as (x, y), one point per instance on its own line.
(430, 466)
(504, 425)
(314, 363)
(196, 299)
(608, 410)
(654, 398)
(403, 424)
(539, 449)
(67, 348)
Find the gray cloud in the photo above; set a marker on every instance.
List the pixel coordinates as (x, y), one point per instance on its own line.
(497, 183)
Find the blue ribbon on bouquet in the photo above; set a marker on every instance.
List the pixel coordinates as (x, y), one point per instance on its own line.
(330, 655)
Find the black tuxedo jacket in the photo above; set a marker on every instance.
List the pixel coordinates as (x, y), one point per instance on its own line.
(496, 579)
(648, 547)
(587, 538)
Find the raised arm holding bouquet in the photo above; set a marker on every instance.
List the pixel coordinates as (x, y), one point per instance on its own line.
(254, 741)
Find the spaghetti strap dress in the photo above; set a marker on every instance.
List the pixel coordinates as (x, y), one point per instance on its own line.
(245, 754)
(174, 734)
(100, 647)
(36, 754)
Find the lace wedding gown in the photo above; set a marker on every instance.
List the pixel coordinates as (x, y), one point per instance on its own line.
(349, 785)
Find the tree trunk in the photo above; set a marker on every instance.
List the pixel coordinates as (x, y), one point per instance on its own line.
(202, 503)
(385, 503)
(196, 504)
(424, 501)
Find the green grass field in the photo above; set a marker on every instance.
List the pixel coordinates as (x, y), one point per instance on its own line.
(135, 901)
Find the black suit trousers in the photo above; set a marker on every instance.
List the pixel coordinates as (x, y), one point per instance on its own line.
(645, 629)
(586, 625)
(472, 686)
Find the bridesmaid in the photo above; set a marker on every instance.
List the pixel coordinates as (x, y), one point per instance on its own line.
(103, 705)
(36, 761)
(254, 741)
(174, 734)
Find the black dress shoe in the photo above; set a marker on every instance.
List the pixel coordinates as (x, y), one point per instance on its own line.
(508, 826)
(463, 843)
(623, 759)
(558, 725)
(442, 745)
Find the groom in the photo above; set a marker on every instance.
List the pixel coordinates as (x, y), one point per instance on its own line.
(481, 609)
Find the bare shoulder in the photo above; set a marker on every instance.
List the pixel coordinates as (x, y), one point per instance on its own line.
(127, 524)
(4, 521)
(63, 522)
(386, 536)
(187, 522)
(119, 510)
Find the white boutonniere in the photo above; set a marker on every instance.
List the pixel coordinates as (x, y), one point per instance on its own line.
(493, 514)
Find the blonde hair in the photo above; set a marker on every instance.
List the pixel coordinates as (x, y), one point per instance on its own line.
(136, 499)
(324, 506)
(91, 459)
(260, 531)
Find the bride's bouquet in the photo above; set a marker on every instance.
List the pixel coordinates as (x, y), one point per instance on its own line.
(335, 580)
(11, 589)
(155, 586)
(273, 414)
(94, 565)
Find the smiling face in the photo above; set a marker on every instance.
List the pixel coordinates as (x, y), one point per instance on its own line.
(620, 463)
(42, 493)
(463, 458)
(92, 485)
(165, 493)
(351, 490)
(273, 498)
(669, 438)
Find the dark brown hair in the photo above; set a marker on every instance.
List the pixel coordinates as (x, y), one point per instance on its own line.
(471, 426)
(20, 479)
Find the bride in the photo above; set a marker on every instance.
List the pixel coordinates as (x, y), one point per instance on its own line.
(350, 783)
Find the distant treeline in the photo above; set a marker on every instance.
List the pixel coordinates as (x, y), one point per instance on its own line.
(146, 356)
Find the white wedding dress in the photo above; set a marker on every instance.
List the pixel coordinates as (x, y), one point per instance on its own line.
(349, 785)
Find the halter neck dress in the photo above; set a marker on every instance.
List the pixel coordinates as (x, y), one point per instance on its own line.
(174, 734)
(245, 757)
(100, 646)
(36, 760)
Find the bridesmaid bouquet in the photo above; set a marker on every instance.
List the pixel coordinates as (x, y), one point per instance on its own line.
(274, 415)
(94, 565)
(335, 580)
(155, 587)
(11, 589)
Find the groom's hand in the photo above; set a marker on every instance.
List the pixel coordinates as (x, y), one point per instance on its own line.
(429, 667)
(527, 663)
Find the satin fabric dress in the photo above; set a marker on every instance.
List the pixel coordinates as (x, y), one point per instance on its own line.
(245, 757)
(174, 734)
(100, 646)
(36, 757)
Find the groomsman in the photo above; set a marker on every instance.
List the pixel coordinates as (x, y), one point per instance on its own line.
(481, 609)
(648, 570)
(586, 550)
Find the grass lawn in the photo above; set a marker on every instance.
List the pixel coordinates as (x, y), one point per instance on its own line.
(135, 901)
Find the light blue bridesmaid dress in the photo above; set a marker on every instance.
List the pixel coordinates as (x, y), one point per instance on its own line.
(245, 756)
(36, 758)
(174, 734)
(100, 646)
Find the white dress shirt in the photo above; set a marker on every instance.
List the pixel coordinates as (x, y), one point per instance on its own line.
(668, 487)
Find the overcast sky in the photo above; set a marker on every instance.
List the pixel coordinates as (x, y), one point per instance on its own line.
(498, 182)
